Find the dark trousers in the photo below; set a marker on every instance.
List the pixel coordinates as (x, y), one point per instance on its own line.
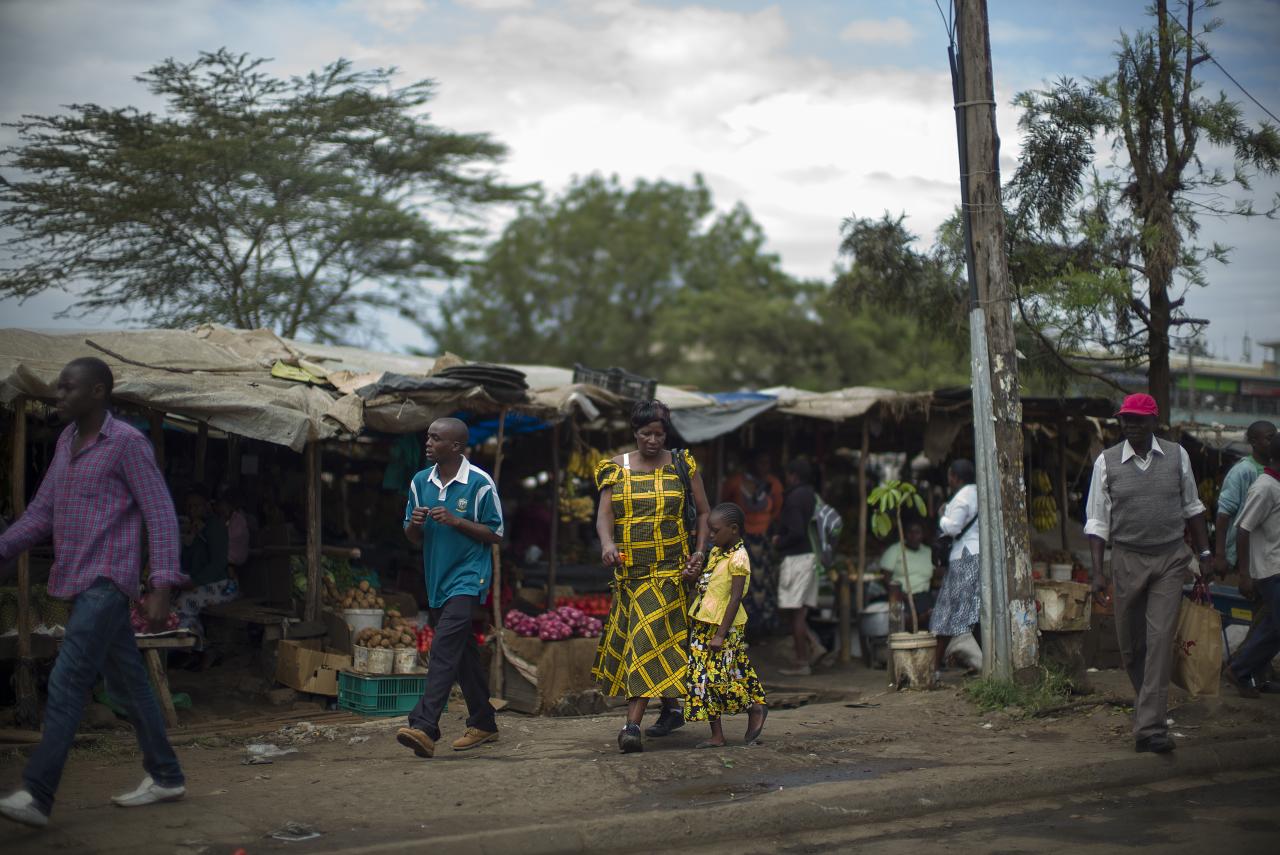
(1263, 642)
(99, 640)
(455, 658)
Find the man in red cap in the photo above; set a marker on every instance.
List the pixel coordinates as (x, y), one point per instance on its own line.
(1142, 497)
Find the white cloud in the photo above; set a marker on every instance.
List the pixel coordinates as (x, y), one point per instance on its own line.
(495, 5)
(872, 31)
(394, 15)
(1006, 33)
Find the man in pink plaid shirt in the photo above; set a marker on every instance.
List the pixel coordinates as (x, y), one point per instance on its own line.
(101, 487)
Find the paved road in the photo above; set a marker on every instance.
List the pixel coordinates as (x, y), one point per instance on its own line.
(1231, 813)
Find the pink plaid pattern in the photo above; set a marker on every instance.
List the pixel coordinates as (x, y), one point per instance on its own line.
(94, 504)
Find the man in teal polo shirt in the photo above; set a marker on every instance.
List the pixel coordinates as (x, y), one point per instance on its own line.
(455, 515)
(1234, 489)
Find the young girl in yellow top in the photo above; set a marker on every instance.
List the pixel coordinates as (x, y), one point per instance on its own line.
(720, 678)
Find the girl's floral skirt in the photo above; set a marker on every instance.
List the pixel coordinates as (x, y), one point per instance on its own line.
(721, 683)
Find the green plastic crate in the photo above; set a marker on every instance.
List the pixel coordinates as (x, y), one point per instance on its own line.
(380, 694)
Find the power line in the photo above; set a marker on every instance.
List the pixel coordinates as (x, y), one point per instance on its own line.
(1208, 53)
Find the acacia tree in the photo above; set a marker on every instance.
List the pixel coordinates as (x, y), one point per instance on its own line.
(254, 201)
(1102, 258)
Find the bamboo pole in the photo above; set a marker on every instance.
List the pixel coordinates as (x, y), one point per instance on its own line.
(495, 592)
(202, 450)
(864, 453)
(27, 713)
(1062, 479)
(553, 562)
(312, 463)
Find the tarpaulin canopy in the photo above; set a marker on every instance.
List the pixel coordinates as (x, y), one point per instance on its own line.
(176, 372)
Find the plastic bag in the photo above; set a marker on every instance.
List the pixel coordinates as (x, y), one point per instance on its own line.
(1197, 644)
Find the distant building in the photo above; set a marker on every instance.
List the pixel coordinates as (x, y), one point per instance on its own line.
(1214, 391)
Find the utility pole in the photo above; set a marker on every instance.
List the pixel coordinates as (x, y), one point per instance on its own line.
(1009, 620)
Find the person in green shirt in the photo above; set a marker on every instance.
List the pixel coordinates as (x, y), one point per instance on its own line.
(1234, 489)
(919, 567)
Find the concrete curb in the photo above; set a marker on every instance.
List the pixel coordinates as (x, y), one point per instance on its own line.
(820, 806)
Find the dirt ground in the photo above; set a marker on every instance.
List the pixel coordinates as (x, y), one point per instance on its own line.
(349, 781)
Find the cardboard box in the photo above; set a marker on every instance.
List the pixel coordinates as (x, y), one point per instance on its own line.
(302, 665)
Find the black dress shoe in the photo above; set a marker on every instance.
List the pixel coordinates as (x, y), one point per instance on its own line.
(629, 739)
(668, 720)
(1158, 744)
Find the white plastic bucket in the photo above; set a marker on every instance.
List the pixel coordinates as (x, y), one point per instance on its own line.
(359, 619)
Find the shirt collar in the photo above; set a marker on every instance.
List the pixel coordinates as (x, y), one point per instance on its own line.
(1128, 452)
(464, 472)
(108, 425)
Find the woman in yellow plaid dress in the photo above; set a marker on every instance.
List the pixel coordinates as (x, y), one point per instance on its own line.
(643, 651)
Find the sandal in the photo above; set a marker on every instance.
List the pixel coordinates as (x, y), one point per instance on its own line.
(707, 744)
(753, 736)
(629, 739)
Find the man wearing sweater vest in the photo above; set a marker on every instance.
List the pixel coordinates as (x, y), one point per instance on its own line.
(1142, 497)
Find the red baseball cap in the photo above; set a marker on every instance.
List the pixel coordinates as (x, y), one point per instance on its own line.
(1139, 405)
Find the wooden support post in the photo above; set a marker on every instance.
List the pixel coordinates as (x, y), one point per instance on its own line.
(27, 713)
(1062, 479)
(553, 563)
(720, 467)
(495, 591)
(202, 450)
(160, 679)
(157, 436)
(863, 454)
(312, 463)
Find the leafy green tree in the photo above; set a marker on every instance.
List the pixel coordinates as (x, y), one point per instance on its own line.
(253, 201)
(1102, 258)
(650, 278)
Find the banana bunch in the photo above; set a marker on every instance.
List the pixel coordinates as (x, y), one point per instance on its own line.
(1208, 491)
(1040, 481)
(576, 508)
(583, 462)
(1044, 513)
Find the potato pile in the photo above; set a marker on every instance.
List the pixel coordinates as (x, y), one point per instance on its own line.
(390, 639)
(361, 597)
(394, 620)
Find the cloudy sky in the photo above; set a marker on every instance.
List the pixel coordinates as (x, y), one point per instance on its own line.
(807, 111)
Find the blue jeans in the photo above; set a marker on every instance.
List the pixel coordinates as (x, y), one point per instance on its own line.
(99, 640)
(1264, 642)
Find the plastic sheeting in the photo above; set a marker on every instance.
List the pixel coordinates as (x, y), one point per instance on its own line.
(706, 423)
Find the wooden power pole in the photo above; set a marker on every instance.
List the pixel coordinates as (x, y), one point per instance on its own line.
(1005, 534)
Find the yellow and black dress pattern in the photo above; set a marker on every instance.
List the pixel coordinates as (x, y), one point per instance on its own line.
(643, 650)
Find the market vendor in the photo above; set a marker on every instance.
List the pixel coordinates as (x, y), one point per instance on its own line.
(205, 549)
(759, 493)
(919, 568)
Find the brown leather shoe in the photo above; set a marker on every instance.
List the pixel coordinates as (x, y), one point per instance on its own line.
(416, 741)
(473, 737)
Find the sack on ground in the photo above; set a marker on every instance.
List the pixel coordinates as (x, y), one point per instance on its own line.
(1197, 649)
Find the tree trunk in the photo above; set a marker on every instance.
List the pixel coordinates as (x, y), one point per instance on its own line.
(986, 213)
